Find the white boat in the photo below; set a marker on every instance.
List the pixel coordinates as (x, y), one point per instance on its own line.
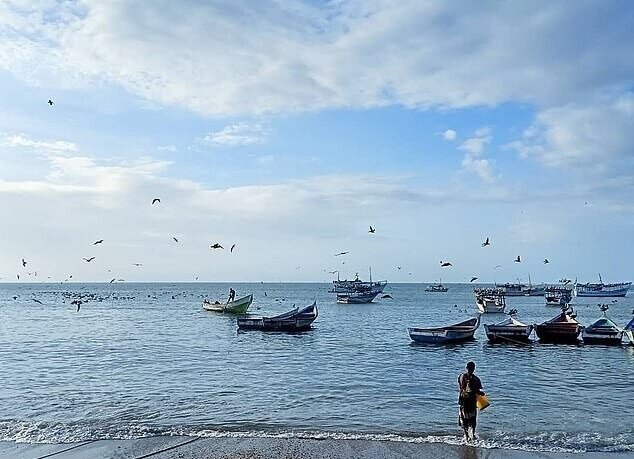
(508, 331)
(600, 289)
(490, 300)
(558, 295)
(357, 297)
(239, 306)
(357, 285)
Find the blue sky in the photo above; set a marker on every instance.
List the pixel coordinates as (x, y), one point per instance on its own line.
(288, 129)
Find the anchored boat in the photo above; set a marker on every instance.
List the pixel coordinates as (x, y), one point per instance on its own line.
(600, 289)
(456, 333)
(437, 288)
(558, 295)
(291, 321)
(562, 329)
(603, 331)
(510, 330)
(239, 306)
(491, 300)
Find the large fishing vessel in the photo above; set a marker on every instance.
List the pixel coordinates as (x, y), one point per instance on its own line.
(357, 291)
(520, 289)
(601, 289)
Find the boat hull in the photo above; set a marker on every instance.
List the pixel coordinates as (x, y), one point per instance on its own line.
(356, 298)
(239, 306)
(605, 336)
(293, 321)
(602, 290)
(508, 334)
(630, 335)
(558, 333)
(490, 305)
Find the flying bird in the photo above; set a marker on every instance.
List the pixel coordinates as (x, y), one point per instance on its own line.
(175, 240)
(546, 261)
(340, 253)
(18, 276)
(100, 241)
(333, 272)
(36, 300)
(497, 266)
(232, 247)
(473, 279)
(137, 264)
(50, 102)
(112, 280)
(485, 243)
(518, 259)
(398, 267)
(23, 263)
(217, 246)
(371, 230)
(155, 200)
(444, 264)
(88, 260)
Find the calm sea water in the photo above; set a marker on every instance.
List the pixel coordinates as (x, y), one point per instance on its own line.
(148, 360)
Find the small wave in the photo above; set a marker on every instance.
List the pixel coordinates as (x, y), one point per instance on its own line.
(559, 442)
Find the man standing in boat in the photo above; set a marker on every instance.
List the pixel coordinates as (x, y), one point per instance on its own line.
(469, 387)
(232, 295)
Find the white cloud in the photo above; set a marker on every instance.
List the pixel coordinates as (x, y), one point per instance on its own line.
(271, 57)
(169, 148)
(20, 140)
(595, 136)
(472, 162)
(237, 134)
(449, 134)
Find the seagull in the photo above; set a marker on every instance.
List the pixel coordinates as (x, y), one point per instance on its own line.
(398, 267)
(100, 241)
(444, 264)
(217, 246)
(50, 102)
(112, 280)
(155, 200)
(18, 276)
(333, 272)
(473, 279)
(485, 243)
(88, 260)
(372, 230)
(36, 300)
(23, 263)
(518, 259)
(137, 264)
(175, 240)
(341, 253)
(546, 261)
(497, 266)
(387, 296)
(232, 247)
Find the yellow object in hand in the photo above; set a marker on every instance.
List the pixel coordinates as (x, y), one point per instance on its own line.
(482, 402)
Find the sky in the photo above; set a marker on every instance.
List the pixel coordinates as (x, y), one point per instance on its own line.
(289, 128)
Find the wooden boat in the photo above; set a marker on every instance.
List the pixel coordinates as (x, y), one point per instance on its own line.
(603, 331)
(629, 331)
(456, 333)
(510, 330)
(291, 321)
(562, 329)
(491, 300)
(239, 306)
(357, 297)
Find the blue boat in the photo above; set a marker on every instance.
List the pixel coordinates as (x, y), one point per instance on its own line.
(456, 333)
(603, 331)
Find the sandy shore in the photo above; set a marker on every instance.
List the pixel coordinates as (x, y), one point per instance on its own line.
(247, 448)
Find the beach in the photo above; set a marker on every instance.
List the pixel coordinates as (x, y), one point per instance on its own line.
(181, 447)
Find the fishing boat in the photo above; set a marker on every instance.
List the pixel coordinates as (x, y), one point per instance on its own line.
(629, 330)
(520, 289)
(558, 295)
(239, 306)
(292, 321)
(603, 331)
(600, 289)
(357, 297)
(357, 285)
(456, 333)
(510, 330)
(490, 300)
(437, 288)
(562, 329)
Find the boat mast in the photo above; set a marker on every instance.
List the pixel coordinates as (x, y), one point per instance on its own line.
(370, 274)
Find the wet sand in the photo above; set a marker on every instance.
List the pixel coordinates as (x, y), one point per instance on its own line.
(264, 448)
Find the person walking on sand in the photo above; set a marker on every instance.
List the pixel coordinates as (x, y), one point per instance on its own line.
(469, 387)
(232, 295)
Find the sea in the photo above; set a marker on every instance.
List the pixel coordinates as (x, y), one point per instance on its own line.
(145, 359)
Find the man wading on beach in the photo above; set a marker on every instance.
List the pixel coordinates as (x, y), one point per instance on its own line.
(470, 387)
